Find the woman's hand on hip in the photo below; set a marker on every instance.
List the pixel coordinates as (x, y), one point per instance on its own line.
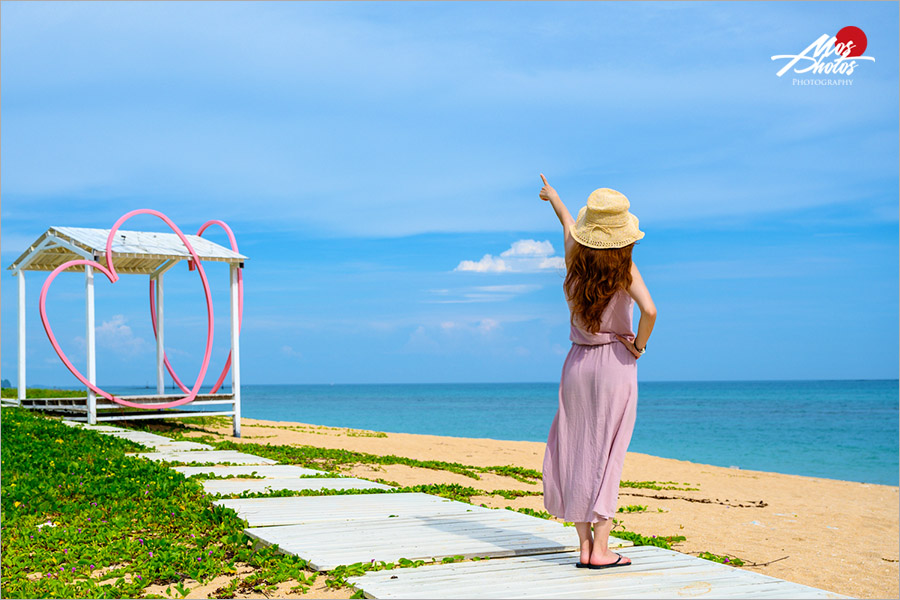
(630, 345)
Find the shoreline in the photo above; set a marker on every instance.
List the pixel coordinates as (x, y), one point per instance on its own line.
(501, 441)
(781, 525)
(489, 441)
(464, 439)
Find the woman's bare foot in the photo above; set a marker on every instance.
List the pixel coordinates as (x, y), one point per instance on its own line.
(607, 558)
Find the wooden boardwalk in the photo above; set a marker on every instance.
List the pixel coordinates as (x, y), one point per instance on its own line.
(237, 486)
(267, 471)
(654, 573)
(295, 510)
(207, 456)
(482, 533)
(526, 557)
(144, 438)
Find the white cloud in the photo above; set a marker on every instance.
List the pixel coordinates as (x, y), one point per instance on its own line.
(487, 264)
(290, 352)
(523, 256)
(421, 342)
(529, 248)
(552, 262)
(115, 334)
(487, 325)
(482, 293)
(508, 289)
(481, 326)
(451, 336)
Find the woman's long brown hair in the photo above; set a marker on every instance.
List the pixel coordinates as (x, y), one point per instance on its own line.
(593, 275)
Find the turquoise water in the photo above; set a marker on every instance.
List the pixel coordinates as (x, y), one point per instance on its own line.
(833, 429)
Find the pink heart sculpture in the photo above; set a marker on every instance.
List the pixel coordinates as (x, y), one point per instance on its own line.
(113, 276)
(240, 279)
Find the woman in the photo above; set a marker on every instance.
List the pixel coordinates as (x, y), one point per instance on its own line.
(598, 389)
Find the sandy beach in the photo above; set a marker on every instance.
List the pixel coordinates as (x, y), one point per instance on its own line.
(836, 535)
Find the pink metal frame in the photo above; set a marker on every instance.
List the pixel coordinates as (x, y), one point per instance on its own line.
(240, 279)
(113, 276)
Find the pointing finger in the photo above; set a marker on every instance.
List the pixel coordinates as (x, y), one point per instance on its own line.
(545, 179)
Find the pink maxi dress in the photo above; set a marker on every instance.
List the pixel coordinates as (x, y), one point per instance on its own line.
(593, 425)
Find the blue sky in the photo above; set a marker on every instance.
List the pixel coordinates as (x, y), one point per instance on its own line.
(363, 151)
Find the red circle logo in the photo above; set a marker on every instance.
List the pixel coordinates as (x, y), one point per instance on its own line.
(853, 38)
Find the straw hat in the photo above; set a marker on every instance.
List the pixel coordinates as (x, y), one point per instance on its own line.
(605, 221)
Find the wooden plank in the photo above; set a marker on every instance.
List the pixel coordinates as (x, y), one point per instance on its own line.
(704, 588)
(182, 446)
(103, 403)
(766, 589)
(152, 414)
(263, 512)
(654, 573)
(499, 567)
(493, 522)
(496, 533)
(267, 471)
(494, 579)
(585, 585)
(141, 437)
(239, 486)
(105, 429)
(565, 581)
(797, 593)
(61, 406)
(207, 456)
(528, 579)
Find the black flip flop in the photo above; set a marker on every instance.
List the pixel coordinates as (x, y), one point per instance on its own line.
(618, 563)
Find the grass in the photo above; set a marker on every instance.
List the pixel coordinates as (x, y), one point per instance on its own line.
(42, 393)
(655, 485)
(82, 520)
(728, 560)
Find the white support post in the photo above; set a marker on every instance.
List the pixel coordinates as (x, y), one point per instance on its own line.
(160, 346)
(21, 380)
(235, 350)
(91, 344)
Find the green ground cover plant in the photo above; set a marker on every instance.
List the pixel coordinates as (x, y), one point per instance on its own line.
(655, 485)
(632, 508)
(727, 560)
(82, 520)
(12, 392)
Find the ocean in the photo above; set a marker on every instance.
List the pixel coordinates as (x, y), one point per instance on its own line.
(837, 429)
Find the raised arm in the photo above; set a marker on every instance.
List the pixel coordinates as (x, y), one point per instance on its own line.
(549, 194)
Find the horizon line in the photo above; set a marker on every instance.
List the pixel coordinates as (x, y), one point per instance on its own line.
(55, 386)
